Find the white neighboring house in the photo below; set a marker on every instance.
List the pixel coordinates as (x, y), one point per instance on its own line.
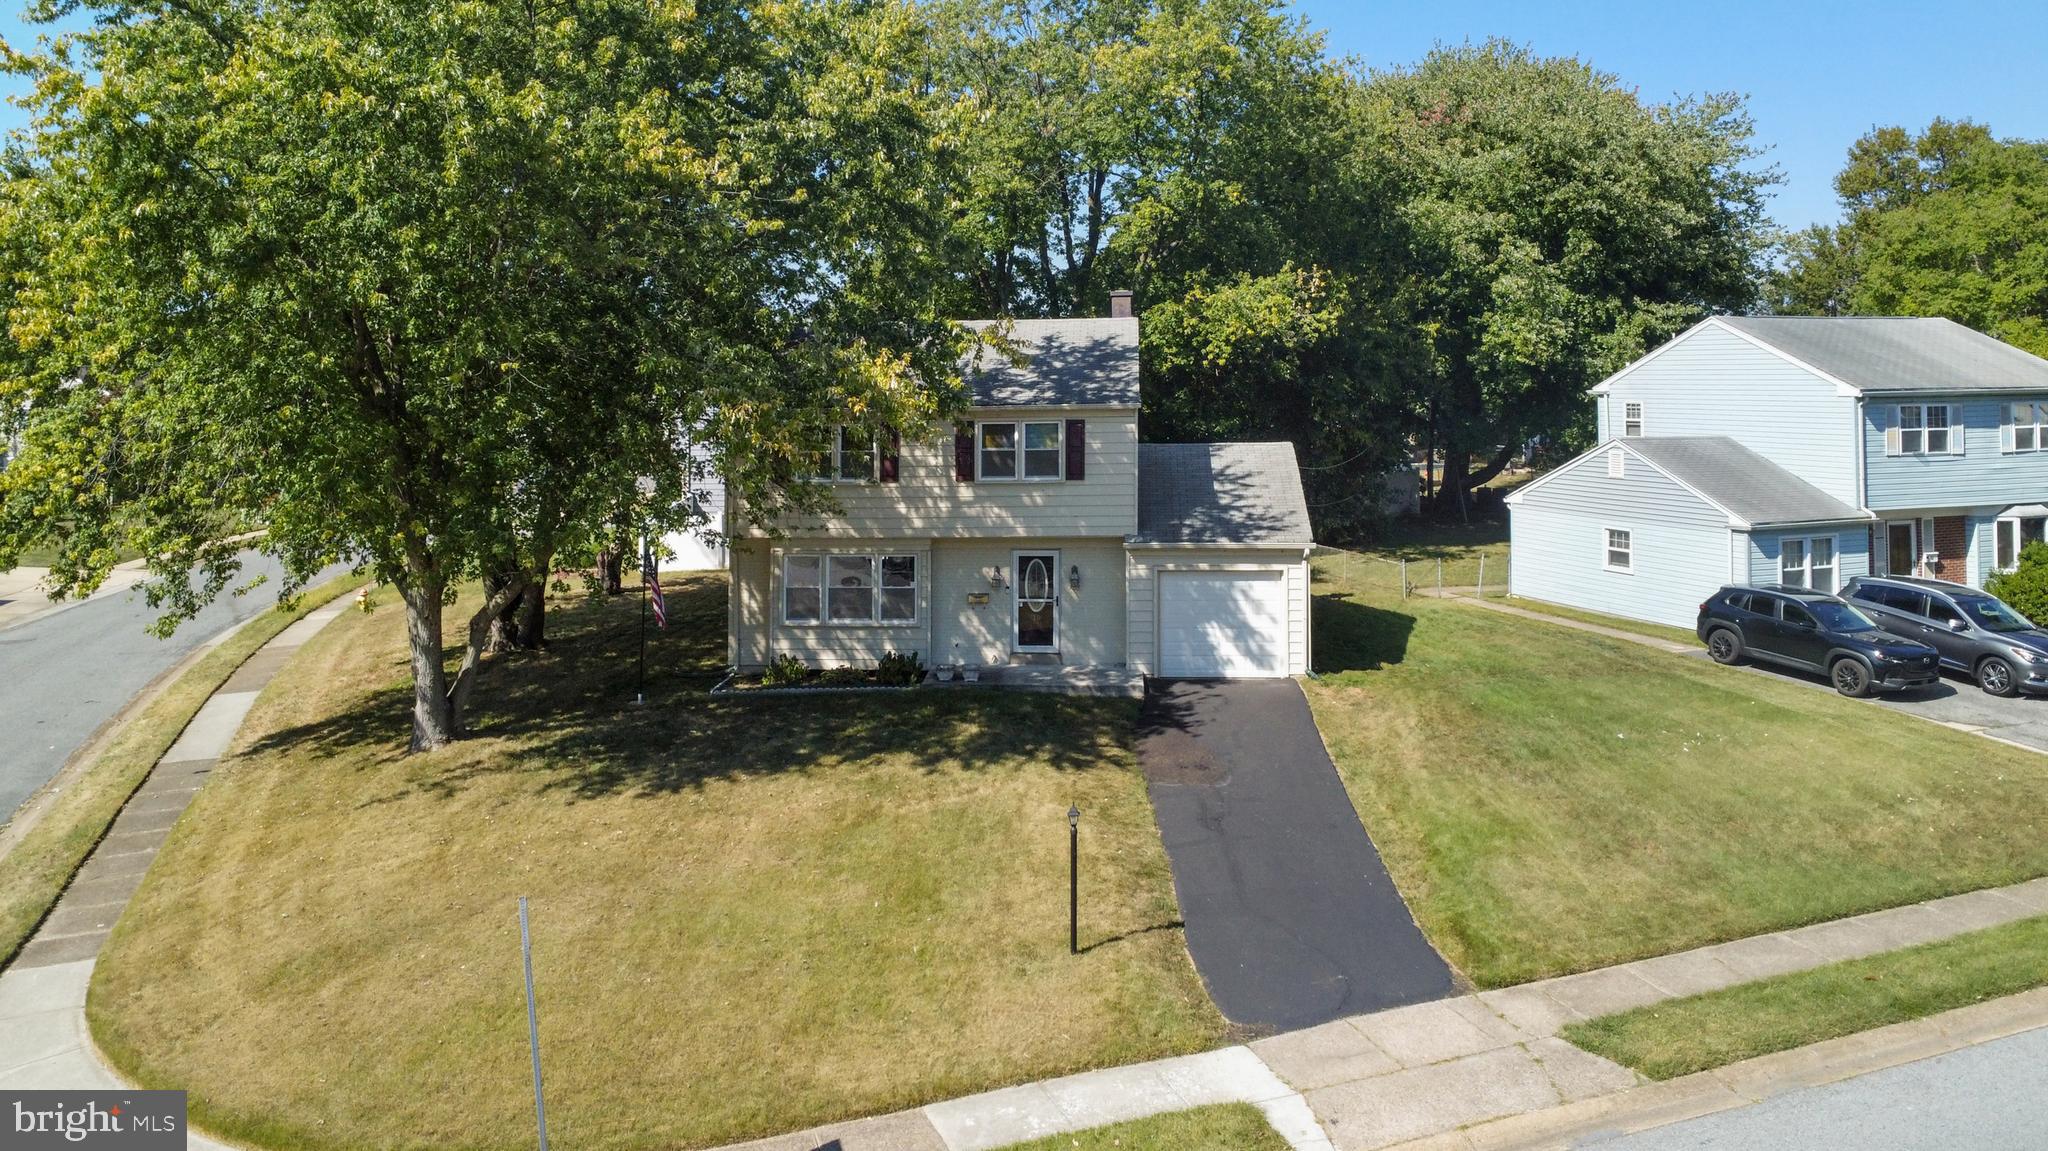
(701, 548)
(1041, 532)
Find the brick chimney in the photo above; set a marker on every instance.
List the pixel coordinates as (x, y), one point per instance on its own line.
(1120, 304)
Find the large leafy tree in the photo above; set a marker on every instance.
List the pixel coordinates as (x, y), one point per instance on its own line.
(427, 287)
(1556, 227)
(1202, 154)
(1949, 222)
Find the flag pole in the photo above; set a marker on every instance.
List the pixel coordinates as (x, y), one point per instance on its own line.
(640, 694)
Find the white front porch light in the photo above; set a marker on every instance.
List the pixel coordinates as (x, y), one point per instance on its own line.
(1074, 578)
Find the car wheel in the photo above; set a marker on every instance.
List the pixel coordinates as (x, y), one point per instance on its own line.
(1996, 677)
(1724, 645)
(1850, 677)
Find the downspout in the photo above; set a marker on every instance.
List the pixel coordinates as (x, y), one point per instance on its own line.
(1862, 490)
(1863, 495)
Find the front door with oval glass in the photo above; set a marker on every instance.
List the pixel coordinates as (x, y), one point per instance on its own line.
(1035, 585)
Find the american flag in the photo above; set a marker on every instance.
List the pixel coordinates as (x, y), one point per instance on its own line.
(653, 578)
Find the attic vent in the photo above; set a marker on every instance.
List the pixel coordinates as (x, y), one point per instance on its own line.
(1615, 467)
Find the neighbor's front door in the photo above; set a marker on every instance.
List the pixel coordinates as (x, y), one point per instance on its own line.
(1036, 586)
(1901, 556)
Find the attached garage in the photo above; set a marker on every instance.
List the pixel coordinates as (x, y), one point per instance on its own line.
(1216, 580)
(1215, 624)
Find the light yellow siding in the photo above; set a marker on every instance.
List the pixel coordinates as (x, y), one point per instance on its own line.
(1091, 622)
(928, 502)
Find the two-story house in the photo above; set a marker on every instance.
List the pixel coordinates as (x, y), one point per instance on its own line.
(1799, 450)
(1040, 532)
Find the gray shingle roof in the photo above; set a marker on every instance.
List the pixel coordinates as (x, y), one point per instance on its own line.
(1899, 353)
(1742, 481)
(1092, 361)
(1221, 493)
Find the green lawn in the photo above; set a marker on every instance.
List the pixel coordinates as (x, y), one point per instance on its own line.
(1712, 1030)
(1552, 801)
(37, 867)
(1225, 1127)
(750, 915)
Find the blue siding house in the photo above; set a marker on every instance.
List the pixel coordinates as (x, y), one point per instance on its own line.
(1891, 445)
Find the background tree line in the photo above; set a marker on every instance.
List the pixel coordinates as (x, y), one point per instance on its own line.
(444, 289)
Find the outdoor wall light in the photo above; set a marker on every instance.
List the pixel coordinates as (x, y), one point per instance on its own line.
(995, 577)
(1074, 578)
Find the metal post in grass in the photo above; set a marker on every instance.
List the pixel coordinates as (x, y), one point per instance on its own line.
(1073, 880)
(1482, 576)
(1439, 577)
(1404, 577)
(540, 1110)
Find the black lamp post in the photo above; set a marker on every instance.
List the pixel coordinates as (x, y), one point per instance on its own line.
(1073, 880)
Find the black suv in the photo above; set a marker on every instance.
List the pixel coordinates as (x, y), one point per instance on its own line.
(1813, 631)
(1976, 633)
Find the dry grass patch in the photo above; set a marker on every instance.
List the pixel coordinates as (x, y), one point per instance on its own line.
(1553, 801)
(750, 915)
(35, 871)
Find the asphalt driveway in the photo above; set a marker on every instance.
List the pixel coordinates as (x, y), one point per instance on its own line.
(1291, 918)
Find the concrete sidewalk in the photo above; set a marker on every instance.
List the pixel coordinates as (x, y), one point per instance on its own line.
(1429, 1074)
(44, 1043)
(23, 598)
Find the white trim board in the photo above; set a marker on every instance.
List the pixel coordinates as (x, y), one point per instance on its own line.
(1842, 387)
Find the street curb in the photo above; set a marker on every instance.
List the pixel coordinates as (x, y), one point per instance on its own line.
(1750, 1081)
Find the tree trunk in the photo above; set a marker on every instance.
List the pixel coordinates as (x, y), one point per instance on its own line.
(504, 634)
(529, 612)
(433, 721)
(473, 652)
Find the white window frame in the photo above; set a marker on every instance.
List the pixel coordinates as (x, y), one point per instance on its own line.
(2035, 428)
(836, 456)
(1807, 567)
(1627, 550)
(1617, 463)
(1922, 429)
(2012, 525)
(877, 588)
(1018, 434)
(1632, 418)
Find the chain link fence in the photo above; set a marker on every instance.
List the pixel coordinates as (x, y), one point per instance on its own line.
(1478, 572)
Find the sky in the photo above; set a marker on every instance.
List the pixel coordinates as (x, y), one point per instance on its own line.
(1818, 75)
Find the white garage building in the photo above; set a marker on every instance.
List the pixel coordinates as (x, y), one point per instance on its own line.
(1216, 578)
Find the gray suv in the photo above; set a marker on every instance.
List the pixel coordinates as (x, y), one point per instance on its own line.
(1976, 633)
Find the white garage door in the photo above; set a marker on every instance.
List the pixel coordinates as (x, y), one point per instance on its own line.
(1224, 623)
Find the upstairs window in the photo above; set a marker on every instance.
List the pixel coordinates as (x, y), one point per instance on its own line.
(1021, 450)
(1632, 419)
(847, 456)
(2026, 427)
(1620, 551)
(1926, 430)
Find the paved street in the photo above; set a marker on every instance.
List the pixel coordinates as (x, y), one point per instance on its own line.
(1992, 1097)
(63, 674)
